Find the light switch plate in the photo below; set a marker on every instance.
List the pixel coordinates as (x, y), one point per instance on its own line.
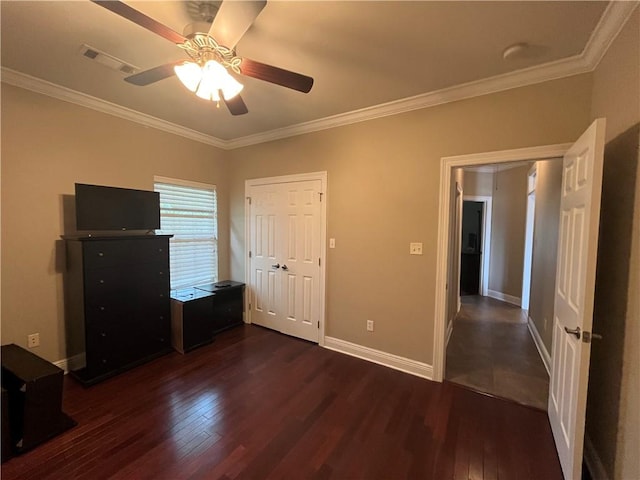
(415, 248)
(332, 243)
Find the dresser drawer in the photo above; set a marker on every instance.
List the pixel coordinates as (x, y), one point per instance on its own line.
(103, 253)
(117, 284)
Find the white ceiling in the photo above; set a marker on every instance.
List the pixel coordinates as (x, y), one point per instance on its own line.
(361, 54)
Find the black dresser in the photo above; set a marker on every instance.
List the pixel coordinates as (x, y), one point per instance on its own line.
(117, 299)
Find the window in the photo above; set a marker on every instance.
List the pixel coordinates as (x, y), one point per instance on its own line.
(189, 212)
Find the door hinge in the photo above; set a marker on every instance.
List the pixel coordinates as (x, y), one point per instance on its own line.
(319, 262)
(318, 324)
(249, 199)
(321, 196)
(249, 307)
(249, 253)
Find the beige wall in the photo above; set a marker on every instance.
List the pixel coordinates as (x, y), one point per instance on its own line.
(383, 193)
(478, 183)
(545, 247)
(47, 146)
(613, 423)
(508, 219)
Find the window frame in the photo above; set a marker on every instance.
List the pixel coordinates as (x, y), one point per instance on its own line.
(201, 186)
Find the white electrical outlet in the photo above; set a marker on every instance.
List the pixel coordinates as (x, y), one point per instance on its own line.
(369, 325)
(332, 243)
(415, 248)
(33, 340)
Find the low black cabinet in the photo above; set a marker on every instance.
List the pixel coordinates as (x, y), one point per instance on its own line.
(31, 400)
(117, 293)
(198, 313)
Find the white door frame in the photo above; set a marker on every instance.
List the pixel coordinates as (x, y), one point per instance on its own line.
(485, 255)
(442, 256)
(301, 177)
(529, 233)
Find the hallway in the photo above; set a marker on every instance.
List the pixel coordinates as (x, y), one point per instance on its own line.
(491, 350)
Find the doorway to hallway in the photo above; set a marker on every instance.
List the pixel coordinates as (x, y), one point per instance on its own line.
(471, 247)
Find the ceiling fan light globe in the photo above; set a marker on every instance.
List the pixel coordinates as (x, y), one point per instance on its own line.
(216, 78)
(231, 88)
(190, 74)
(207, 91)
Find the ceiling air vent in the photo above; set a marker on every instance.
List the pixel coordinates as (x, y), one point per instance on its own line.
(107, 60)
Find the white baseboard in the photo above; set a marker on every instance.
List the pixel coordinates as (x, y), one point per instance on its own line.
(542, 349)
(448, 334)
(381, 358)
(72, 363)
(592, 459)
(504, 297)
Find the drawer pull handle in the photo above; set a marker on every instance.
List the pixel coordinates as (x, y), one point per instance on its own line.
(101, 254)
(102, 309)
(162, 295)
(103, 335)
(101, 281)
(160, 273)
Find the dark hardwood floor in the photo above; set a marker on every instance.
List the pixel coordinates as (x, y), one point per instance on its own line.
(257, 404)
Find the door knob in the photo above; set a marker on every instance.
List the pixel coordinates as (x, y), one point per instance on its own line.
(284, 267)
(575, 331)
(587, 337)
(277, 265)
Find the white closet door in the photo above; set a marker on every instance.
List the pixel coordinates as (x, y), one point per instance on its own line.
(266, 239)
(300, 270)
(285, 231)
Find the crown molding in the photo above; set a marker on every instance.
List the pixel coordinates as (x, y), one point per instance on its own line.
(65, 94)
(520, 78)
(609, 26)
(612, 21)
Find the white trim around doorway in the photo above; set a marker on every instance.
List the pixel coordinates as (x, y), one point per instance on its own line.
(301, 177)
(446, 170)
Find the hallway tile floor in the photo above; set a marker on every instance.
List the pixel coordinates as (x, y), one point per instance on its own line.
(491, 351)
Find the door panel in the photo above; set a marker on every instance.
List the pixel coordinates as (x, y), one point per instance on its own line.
(575, 284)
(285, 240)
(264, 243)
(300, 282)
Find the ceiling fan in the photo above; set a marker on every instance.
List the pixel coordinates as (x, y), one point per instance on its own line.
(212, 52)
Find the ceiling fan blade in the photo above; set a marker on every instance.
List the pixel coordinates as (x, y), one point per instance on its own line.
(279, 76)
(153, 75)
(235, 105)
(141, 19)
(233, 19)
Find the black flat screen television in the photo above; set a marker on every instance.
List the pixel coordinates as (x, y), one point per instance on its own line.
(110, 208)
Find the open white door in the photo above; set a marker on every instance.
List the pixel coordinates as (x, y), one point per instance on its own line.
(575, 282)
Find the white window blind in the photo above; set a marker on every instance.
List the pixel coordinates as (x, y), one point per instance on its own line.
(189, 213)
